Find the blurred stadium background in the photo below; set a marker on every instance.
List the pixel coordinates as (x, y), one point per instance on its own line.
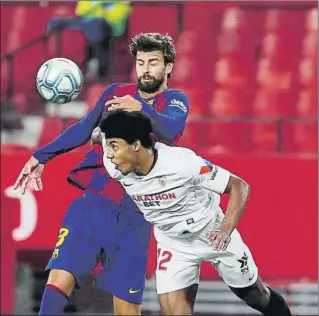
(250, 70)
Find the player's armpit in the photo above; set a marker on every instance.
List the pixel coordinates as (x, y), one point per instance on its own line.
(235, 183)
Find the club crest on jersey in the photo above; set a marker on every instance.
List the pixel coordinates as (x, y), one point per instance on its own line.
(162, 181)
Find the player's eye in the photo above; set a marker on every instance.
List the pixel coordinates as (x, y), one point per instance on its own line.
(154, 63)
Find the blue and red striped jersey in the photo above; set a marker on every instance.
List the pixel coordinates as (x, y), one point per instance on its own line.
(168, 112)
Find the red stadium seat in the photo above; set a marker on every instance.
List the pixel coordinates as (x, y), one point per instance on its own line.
(233, 72)
(272, 74)
(308, 72)
(282, 47)
(310, 44)
(283, 19)
(197, 101)
(6, 25)
(159, 18)
(272, 103)
(193, 136)
(311, 20)
(52, 127)
(300, 137)
(228, 102)
(307, 104)
(263, 136)
(193, 65)
(225, 136)
(93, 94)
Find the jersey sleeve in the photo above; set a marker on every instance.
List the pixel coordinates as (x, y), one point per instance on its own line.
(77, 134)
(171, 122)
(206, 174)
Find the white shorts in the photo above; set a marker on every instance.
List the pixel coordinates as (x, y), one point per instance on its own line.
(178, 261)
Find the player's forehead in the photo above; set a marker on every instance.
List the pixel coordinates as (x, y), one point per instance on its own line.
(115, 141)
(146, 56)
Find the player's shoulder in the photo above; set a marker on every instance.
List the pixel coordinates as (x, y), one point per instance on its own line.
(180, 158)
(178, 99)
(175, 93)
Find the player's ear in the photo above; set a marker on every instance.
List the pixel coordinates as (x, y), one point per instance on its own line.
(137, 145)
(169, 68)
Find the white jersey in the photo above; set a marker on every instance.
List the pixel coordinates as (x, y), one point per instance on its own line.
(180, 195)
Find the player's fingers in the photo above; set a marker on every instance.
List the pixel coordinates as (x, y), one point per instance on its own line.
(24, 172)
(39, 183)
(211, 236)
(36, 184)
(226, 243)
(110, 102)
(25, 183)
(18, 181)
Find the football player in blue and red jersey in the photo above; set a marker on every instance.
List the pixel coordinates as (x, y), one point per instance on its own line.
(103, 229)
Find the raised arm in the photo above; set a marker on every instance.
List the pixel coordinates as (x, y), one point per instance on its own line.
(169, 123)
(76, 135)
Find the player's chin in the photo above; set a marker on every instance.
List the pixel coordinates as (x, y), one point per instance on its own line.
(123, 170)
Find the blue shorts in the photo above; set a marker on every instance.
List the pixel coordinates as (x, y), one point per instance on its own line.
(96, 228)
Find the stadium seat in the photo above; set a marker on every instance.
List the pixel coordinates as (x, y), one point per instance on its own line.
(148, 18)
(225, 136)
(272, 103)
(233, 71)
(300, 137)
(308, 72)
(198, 100)
(272, 74)
(282, 47)
(193, 65)
(310, 44)
(307, 104)
(24, 77)
(6, 24)
(263, 136)
(228, 102)
(311, 20)
(51, 128)
(283, 19)
(193, 136)
(93, 93)
(4, 78)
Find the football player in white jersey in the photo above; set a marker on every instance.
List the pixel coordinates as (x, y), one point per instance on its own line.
(179, 192)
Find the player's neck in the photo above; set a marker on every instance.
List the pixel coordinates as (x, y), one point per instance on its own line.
(145, 95)
(145, 162)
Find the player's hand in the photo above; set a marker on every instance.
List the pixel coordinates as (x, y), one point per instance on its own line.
(31, 172)
(126, 103)
(219, 239)
(96, 137)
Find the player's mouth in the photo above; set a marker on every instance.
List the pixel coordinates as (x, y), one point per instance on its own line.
(147, 78)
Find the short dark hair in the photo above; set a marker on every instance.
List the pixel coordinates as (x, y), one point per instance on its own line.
(149, 42)
(130, 126)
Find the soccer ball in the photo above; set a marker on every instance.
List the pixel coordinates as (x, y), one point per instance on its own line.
(59, 80)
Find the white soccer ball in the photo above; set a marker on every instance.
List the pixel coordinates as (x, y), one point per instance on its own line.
(59, 80)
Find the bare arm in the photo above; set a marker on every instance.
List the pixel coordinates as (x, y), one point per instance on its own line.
(238, 191)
